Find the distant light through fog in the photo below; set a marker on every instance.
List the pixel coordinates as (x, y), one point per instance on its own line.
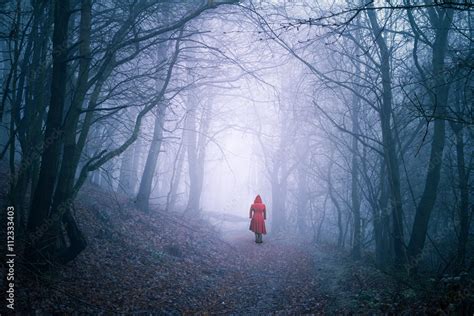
(234, 172)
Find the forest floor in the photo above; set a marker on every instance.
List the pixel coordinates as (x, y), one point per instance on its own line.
(163, 263)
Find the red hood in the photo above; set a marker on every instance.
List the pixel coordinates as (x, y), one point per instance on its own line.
(258, 199)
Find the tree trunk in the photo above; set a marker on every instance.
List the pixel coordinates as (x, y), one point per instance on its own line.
(382, 246)
(302, 196)
(125, 178)
(390, 156)
(144, 191)
(302, 202)
(191, 149)
(176, 177)
(355, 198)
(64, 190)
(340, 224)
(136, 164)
(278, 210)
(463, 184)
(464, 205)
(323, 217)
(441, 89)
(51, 154)
(196, 150)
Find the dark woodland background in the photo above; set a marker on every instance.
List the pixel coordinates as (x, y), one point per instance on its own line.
(355, 117)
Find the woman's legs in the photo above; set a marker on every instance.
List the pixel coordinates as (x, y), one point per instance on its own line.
(258, 238)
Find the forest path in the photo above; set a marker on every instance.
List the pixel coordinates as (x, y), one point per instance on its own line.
(277, 276)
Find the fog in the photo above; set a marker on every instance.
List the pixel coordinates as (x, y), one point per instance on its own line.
(353, 122)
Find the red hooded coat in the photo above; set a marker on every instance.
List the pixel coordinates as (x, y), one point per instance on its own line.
(258, 214)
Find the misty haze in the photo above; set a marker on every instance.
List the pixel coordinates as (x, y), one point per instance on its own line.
(237, 157)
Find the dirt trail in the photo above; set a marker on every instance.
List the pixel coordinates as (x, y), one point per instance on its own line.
(275, 276)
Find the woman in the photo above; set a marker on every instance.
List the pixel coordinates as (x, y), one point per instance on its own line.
(258, 214)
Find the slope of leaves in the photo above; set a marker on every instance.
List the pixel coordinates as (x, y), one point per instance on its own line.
(133, 262)
(358, 286)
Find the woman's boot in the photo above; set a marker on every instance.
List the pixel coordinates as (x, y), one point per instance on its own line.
(256, 237)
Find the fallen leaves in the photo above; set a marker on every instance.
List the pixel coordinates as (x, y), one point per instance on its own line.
(164, 263)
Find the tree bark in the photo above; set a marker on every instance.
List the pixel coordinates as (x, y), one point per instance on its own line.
(390, 156)
(355, 196)
(125, 178)
(176, 176)
(340, 224)
(50, 159)
(464, 193)
(144, 191)
(196, 150)
(64, 190)
(440, 96)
